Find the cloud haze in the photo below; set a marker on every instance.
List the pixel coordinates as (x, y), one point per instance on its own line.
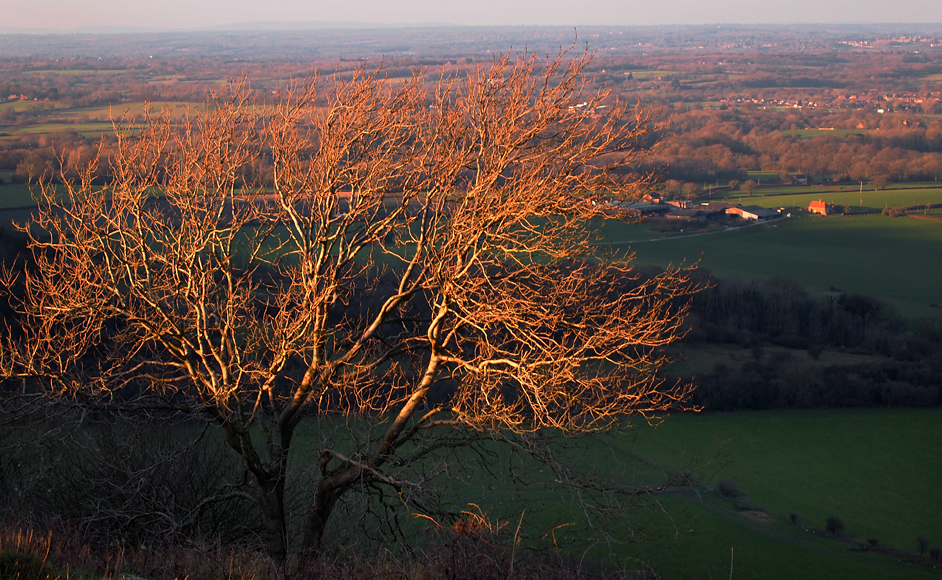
(190, 14)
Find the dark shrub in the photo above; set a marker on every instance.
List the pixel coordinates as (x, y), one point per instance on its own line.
(834, 526)
(923, 545)
(728, 488)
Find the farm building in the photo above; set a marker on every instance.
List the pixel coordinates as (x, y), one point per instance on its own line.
(688, 214)
(646, 208)
(717, 206)
(753, 212)
(819, 207)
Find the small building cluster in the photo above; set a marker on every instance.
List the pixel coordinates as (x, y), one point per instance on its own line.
(653, 205)
(754, 212)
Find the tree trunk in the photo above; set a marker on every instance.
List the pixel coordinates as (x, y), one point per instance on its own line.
(272, 502)
(328, 492)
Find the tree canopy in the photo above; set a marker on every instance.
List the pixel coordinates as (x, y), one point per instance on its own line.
(425, 261)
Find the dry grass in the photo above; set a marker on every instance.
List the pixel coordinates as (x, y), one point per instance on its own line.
(471, 549)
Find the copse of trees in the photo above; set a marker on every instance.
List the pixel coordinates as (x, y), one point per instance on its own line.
(782, 314)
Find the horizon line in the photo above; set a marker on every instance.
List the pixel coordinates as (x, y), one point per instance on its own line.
(283, 25)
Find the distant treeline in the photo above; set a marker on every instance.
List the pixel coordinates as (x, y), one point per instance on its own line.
(722, 145)
(906, 368)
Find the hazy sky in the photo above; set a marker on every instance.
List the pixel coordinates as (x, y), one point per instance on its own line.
(184, 14)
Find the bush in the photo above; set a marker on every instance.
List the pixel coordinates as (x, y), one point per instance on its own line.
(834, 526)
(894, 212)
(934, 553)
(129, 483)
(728, 488)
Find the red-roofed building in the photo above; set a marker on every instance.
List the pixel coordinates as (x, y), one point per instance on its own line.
(819, 207)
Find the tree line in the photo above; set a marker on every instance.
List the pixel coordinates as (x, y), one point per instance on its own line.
(905, 369)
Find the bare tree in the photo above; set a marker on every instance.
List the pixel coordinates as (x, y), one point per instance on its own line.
(425, 263)
(879, 181)
(749, 186)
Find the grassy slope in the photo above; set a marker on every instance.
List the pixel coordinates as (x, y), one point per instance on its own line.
(876, 255)
(875, 469)
(15, 195)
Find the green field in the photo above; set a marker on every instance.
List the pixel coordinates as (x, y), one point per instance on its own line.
(87, 129)
(801, 196)
(877, 470)
(15, 195)
(20, 106)
(178, 110)
(648, 74)
(893, 259)
(91, 121)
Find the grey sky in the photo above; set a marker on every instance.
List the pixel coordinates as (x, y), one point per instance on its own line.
(185, 14)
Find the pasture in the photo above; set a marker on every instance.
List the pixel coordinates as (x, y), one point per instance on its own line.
(874, 469)
(20, 106)
(890, 258)
(15, 195)
(177, 110)
(650, 74)
(867, 197)
(85, 129)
